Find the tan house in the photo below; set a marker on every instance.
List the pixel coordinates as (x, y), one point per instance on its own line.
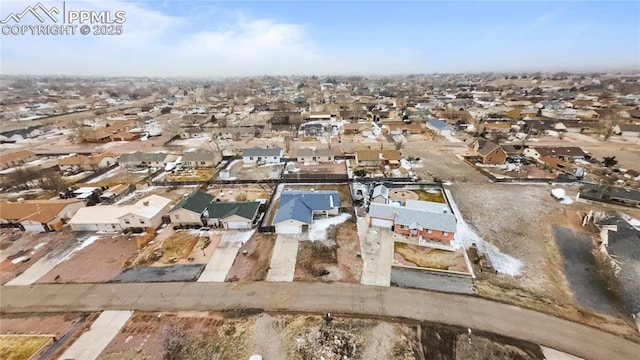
(314, 156)
(16, 158)
(87, 163)
(377, 158)
(189, 210)
(39, 215)
(146, 213)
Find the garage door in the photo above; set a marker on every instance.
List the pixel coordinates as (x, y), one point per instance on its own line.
(237, 225)
(288, 229)
(382, 223)
(33, 227)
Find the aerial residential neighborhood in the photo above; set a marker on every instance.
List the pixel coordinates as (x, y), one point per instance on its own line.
(208, 207)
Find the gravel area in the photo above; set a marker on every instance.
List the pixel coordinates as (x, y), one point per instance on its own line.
(173, 273)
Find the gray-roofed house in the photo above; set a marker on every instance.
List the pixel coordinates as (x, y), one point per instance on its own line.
(440, 127)
(140, 159)
(423, 219)
(201, 159)
(488, 151)
(297, 209)
(262, 155)
(380, 194)
(231, 215)
(189, 210)
(314, 156)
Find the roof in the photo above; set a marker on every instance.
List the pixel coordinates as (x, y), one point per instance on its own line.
(629, 127)
(16, 155)
(486, 147)
(439, 124)
(222, 210)
(192, 130)
(380, 190)
(258, 151)
(299, 205)
(560, 151)
(372, 155)
(138, 157)
(314, 152)
(83, 159)
(414, 218)
(195, 202)
(430, 206)
(41, 211)
(110, 214)
(199, 155)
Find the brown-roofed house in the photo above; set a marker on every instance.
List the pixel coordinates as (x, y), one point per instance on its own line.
(357, 128)
(87, 163)
(16, 158)
(488, 151)
(39, 215)
(377, 158)
(560, 152)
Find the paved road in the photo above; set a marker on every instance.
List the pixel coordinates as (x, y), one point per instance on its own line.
(460, 310)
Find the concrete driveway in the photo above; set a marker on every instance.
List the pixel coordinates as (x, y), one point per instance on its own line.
(102, 331)
(283, 259)
(377, 250)
(223, 257)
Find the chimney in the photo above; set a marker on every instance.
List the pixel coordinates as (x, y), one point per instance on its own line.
(145, 203)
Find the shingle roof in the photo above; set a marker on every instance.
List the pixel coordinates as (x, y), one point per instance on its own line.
(258, 151)
(415, 218)
(16, 155)
(438, 124)
(560, 151)
(222, 210)
(299, 205)
(41, 211)
(139, 156)
(314, 152)
(199, 155)
(380, 190)
(195, 202)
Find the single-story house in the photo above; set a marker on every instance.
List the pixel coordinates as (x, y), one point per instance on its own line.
(192, 132)
(189, 210)
(146, 213)
(488, 151)
(632, 174)
(312, 129)
(377, 158)
(140, 159)
(313, 156)
(380, 194)
(424, 219)
(39, 215)
(357, 128)
(16, 158)
(87, 163)
(630, 130)
(297, 209)
(201, 159)
(440, 127)
(231, 215)
(561, 152)
(262, 155)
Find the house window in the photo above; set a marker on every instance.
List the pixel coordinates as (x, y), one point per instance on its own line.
(428, 231)
(250, 157)
(177, 217)
(201, 162)
(141, 222)
(126, 221)
(444, 233)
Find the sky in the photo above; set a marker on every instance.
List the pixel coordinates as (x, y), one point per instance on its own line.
(247, 38)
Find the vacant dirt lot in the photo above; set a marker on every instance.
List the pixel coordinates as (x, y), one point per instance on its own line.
(240, 192)
(170, 192)
(255, 264)
(517, 219)
(442, 164)
(191, 175)
(99, 262)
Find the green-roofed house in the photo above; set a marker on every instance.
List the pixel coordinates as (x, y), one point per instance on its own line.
(231, 215)
(189, 210)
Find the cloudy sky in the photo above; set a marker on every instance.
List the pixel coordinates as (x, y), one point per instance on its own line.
(211, 39)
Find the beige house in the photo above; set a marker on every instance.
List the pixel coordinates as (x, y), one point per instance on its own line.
(16, 158)
(39, 215)
(146, 213)
(87, 163)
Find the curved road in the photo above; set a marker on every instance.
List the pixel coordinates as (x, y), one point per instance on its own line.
(460, 310)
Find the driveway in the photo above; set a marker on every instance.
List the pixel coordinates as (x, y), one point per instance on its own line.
(224, 256)
(102, 331)
(377, 250)
(283, 259)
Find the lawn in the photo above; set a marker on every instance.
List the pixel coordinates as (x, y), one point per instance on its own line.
(14, 347)
(192, 175)
(177, 246)
(435, 196)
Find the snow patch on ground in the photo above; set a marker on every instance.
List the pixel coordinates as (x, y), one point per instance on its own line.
(466, 235)
(104, 176)
(86, 242)
(239, 237)
(318, 228)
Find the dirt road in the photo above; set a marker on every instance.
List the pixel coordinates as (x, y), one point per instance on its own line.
(460, 310)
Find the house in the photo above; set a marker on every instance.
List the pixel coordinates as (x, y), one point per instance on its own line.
(400, 128)
(189, 210)
(192, 132)
(561, 152)
(39, 215)
(16, 158)
(357, 128)
(440, 127)
(140, 159)
(201, 159)
(380, 194)
(146, 213)
(497, 126)
(629, 130)
(632, 174)
(259, 155)
(611, 194)
(231, 215)
(116, 192)
(297, 209)
(377, 158)
(314, 156)
(314, 115)
(87, 163)
(312, 129)
(488, 151)
(424, 219)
